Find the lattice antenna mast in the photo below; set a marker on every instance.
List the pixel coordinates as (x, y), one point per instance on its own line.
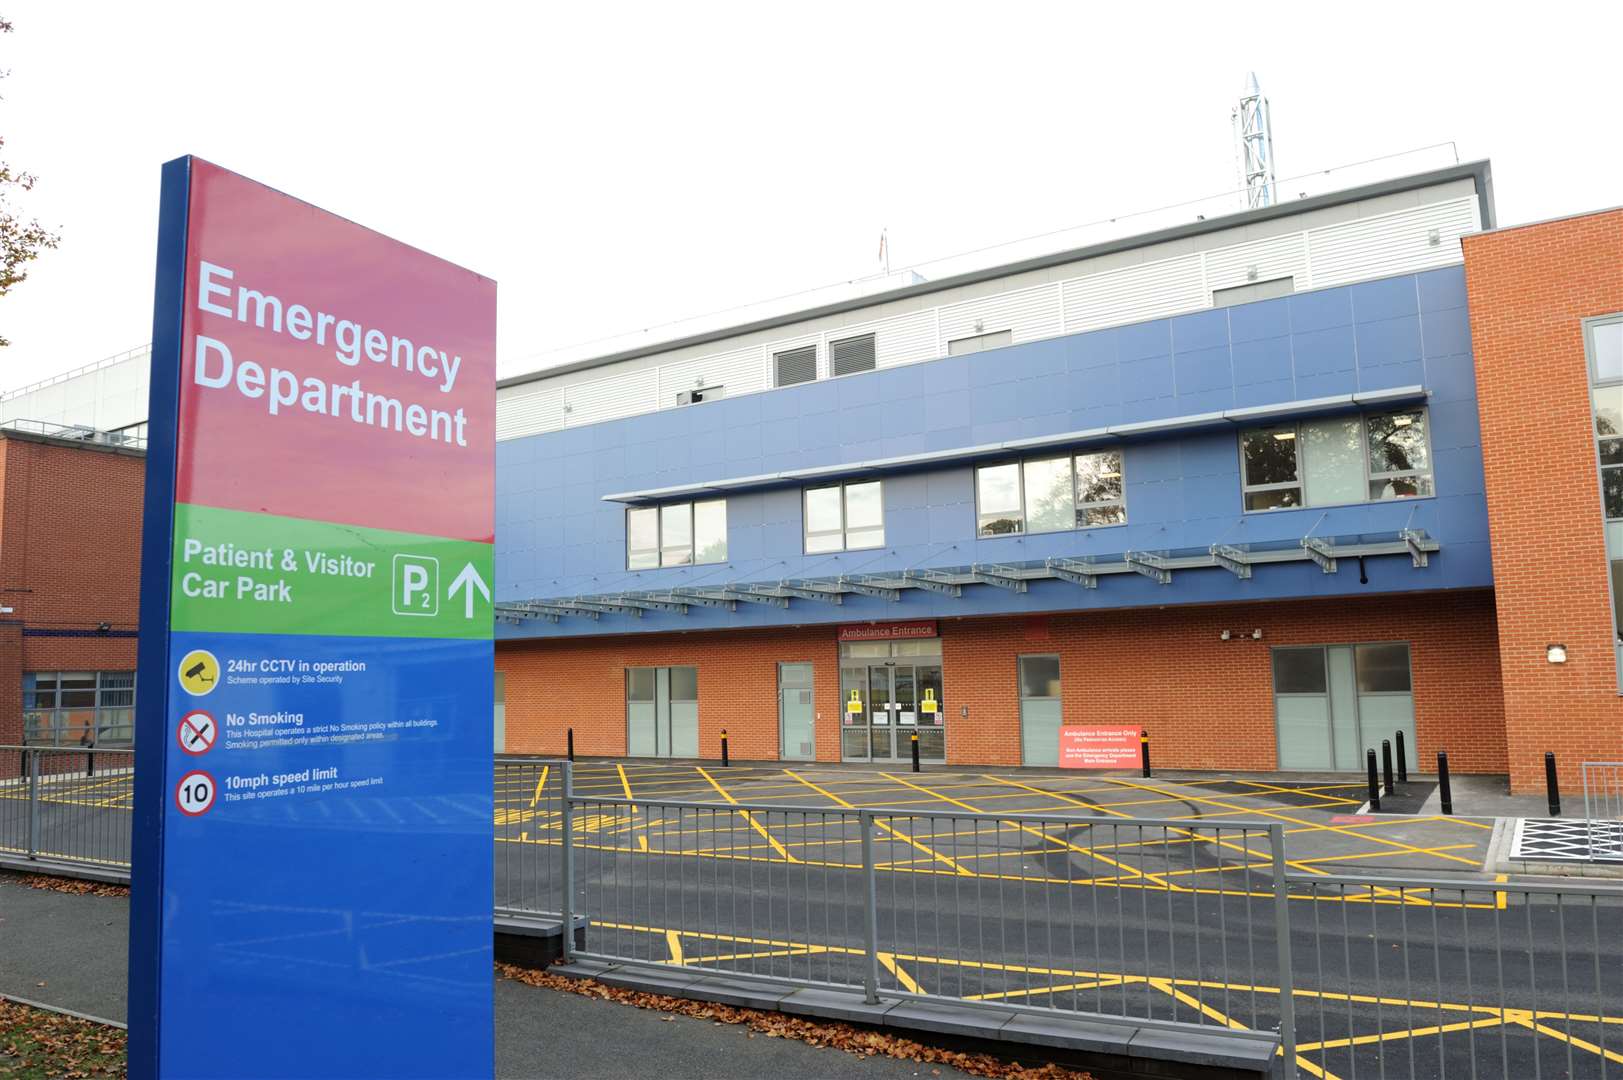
(1254, 146)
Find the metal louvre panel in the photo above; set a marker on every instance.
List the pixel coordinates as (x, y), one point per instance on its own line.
(739, 371)
(520, 414)
(1397, 243)
(608, 399)
(1029, 313)
(1134, 294)
(1275, 257)
(851, 355)
(795, 366)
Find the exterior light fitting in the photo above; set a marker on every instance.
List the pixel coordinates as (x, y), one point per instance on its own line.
(1555, 654)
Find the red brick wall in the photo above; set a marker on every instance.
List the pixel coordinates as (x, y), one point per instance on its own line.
(70, 559)
(1208, 703)
(1529, 288)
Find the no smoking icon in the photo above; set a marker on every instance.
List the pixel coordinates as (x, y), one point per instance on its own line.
(197, 732)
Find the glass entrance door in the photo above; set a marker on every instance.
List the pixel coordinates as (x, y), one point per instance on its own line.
(885, 703)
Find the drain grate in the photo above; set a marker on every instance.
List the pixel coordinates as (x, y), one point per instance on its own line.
(1557, 840)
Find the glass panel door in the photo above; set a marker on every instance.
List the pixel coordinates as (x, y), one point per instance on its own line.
(640, 727)
(881, 714)
(683, 713)
(932, 714)
(1302, 708)
(854, 712)
(1344, 727)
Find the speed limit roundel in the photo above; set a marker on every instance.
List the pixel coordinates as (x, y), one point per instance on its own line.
(194, 795)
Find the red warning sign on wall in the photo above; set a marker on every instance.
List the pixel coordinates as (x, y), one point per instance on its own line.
(1098, 747)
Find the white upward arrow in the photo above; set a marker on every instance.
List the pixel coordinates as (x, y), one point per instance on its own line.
(468, 580)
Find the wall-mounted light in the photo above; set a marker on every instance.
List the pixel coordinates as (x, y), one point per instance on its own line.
(1256, 635)
(1251, 273)
(1555, 654)
(104, 627)
(1224, 636)
(1435, 237)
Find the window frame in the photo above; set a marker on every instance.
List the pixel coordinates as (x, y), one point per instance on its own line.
(806, 347)
(1370, 475)
(873, 348)
(845, 517)
(1078, 506)
(658, 550)
(44, 720)
(1595, 382)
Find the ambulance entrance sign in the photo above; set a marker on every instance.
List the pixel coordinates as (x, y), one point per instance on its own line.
(312, 865)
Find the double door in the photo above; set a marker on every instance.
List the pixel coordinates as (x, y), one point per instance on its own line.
(884, 703)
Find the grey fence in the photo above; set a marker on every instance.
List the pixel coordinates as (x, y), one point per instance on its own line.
(66, 806)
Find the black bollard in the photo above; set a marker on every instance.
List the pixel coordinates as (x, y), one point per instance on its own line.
(1144, 749)
(1386, 764)
(1444, 790)
(571, 744)
(1403, 759)
(1374, 785)
(1552, 785)
(724, 761)
(915, 741)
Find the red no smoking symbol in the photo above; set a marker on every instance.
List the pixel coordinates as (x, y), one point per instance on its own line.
(197, 732)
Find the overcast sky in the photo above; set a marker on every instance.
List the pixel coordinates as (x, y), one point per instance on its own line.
(617, 166)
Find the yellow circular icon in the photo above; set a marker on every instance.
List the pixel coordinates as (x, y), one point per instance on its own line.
(199, 672)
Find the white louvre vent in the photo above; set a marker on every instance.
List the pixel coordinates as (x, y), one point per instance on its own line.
(851, 355)
(795, 366)
(1134, 294)
(1029, 314)
(1397, 243)
(609, 399)
(530, 412)
(738, 370)
(1261, 260)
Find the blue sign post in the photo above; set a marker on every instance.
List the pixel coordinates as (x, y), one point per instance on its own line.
(311, 890)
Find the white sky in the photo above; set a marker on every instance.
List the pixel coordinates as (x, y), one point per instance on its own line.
(615, 166)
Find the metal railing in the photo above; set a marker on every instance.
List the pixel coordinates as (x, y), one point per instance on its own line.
(529, 837)
(67, 805)
(1015, 912)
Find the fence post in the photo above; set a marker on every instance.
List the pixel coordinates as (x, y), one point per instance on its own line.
(870, 927)
(1552, 784)
(1282, 930)
(1403, 759)
(1144, 750)
(1443, 788)
(33, 804)
(567, 908)
(1374, 783)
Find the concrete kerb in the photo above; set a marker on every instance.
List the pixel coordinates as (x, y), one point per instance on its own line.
(1114, 1046)
(1500, 861)
(58, 1010)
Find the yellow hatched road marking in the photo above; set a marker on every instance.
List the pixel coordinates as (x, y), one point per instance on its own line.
(906, 980)
(747, 816)
(958, 867)
(539, 784)
(625, 784)
(1091, 853)
(673, 940)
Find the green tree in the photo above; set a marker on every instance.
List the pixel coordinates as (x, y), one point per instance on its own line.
(22, 238)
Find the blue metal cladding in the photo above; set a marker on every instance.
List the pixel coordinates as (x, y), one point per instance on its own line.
(556, 538)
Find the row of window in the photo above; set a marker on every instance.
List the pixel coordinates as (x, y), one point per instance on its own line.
(1337, 459)
(848, 356)
(1343, 459)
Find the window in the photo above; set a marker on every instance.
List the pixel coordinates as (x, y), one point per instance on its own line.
(794, 366)
(980, 342)
(1254, 290)
(1603, 339)
(680, 534)
(1338, 459)
(845, 517)
(79, 708)
(851, 355)
(1050, 494)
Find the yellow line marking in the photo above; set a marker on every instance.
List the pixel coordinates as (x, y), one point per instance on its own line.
(964, 870)
(1500, 899)
(642, 842)
(539, 785)
(1166, 987)
(1091, 853)
(1105, 982)
(1406, 1033)
(889, 960)
(747, 816)
(674, 940)
(1582, 1044)
(625, 784)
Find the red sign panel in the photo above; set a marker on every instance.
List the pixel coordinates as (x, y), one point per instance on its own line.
(919, 628)
(329, 372)
(1098, 747)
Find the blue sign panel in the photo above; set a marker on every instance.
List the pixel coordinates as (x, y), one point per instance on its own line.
(311, 889)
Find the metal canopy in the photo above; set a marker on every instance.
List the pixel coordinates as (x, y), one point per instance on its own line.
(1158, 566)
